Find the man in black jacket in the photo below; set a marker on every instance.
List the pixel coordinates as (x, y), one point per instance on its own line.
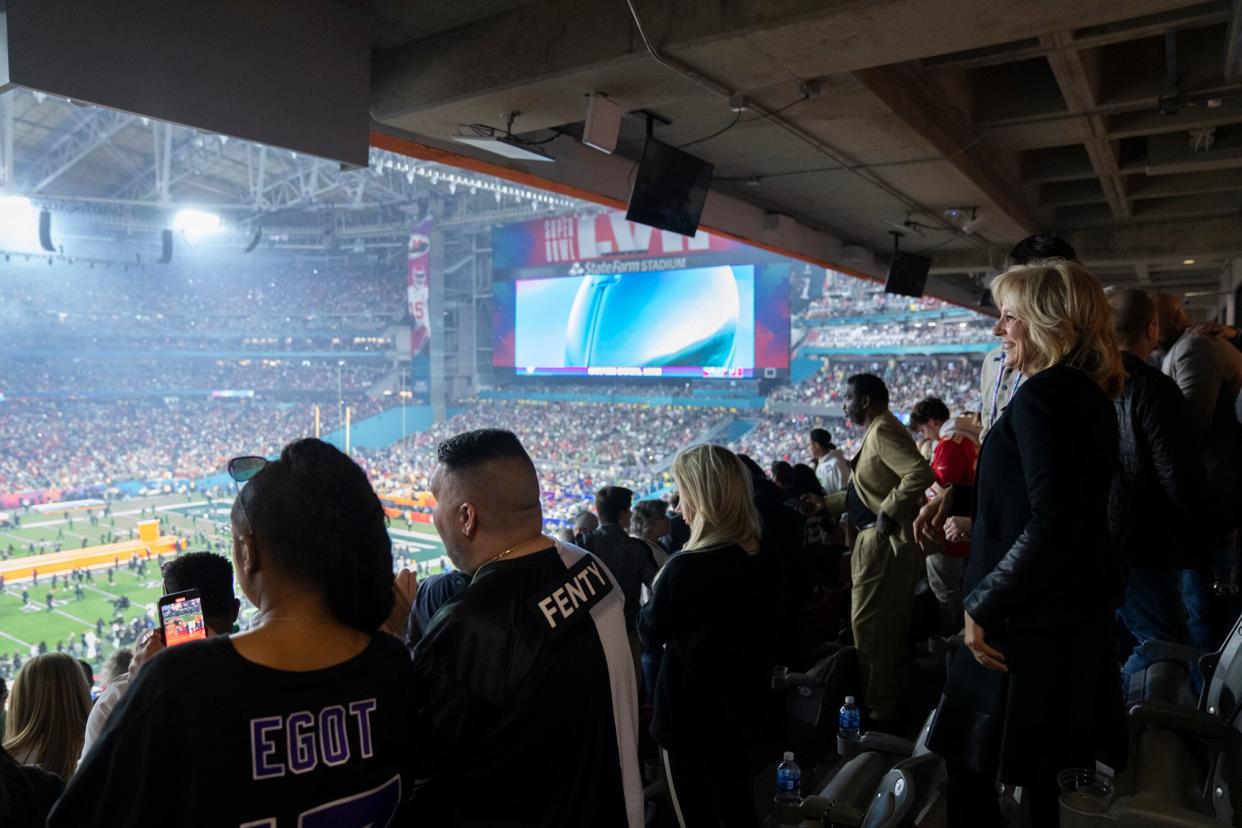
(1160, 500)
(629, 559)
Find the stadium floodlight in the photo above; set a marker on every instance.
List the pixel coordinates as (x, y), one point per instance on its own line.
(16, 209)
(196, 224)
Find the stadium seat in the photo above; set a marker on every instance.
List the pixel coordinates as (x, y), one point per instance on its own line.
(896, 799)
(1185, 760)
(815, 699)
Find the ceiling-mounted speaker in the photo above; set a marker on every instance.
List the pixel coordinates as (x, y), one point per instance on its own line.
(45, 231)
(254, 239)
(907, 274)
(166, 247)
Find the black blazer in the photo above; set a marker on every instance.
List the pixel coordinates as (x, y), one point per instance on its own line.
(1040, 554)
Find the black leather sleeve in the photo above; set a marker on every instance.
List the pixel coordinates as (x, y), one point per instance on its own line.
(1161, 410)
(1047, 436)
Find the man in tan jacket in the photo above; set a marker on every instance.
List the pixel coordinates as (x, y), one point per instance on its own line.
(885, 493)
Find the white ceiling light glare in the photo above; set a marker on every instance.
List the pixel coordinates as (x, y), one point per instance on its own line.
(196, 225)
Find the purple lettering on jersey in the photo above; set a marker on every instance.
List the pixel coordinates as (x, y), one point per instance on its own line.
(263, 747)
(362, 710)
(300, 737)
(333, 740)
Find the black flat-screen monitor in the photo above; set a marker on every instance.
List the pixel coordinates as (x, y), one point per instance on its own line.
(907, 275)
(669, 189)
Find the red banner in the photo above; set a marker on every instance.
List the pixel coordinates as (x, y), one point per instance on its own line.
(568, 239)
(417, 289)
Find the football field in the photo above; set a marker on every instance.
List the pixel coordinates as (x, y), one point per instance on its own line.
(27, 623)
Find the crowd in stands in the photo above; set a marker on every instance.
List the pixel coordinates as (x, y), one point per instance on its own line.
(829, 294)
(784, 437)
(84, 374)
(76, 445)
(260, 338)
(574, 444)
(952, 379)
(405, 701)
(344, 294)
(900, 334)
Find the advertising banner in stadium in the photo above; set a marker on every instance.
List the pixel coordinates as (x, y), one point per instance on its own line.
(567, 239)
(418, 269)
(597, 296)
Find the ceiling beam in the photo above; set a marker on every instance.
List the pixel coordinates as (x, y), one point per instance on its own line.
(1233, 44)
(901, 88)
(1169, 241)
(1078, 83)
(1204, 14)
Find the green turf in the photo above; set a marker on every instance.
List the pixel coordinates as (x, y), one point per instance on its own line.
(34, 623)
(415, 541)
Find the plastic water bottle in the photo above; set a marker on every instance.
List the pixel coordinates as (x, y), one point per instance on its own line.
(850, 723)
(788, 781)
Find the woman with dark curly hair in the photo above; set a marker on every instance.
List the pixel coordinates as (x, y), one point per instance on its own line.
(302, 719)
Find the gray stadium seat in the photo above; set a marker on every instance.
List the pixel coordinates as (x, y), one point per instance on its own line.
(1185, 760)
(865, 785)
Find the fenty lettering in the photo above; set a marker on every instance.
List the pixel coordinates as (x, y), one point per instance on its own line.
(583, 586)
(297, 743)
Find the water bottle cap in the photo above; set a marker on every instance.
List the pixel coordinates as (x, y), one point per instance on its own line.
(849, 699)
(789, 756)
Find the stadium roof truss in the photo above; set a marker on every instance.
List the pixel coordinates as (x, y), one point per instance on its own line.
(62, 154)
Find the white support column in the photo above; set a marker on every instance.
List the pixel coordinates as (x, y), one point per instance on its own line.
(6, 138)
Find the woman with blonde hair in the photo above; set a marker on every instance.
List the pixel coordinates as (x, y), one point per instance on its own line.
(1036, 688)
(714, 611)
(48, 706)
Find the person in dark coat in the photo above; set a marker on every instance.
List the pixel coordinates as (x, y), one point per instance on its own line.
(1162, 510)
(713, 689)
(1035, 689)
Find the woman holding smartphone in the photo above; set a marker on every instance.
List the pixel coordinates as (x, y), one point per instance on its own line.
(301, 720)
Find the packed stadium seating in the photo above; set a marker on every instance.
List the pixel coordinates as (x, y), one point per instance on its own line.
(954, 380)
(84, 445)
(345, 295)
(577, 447)
(149, 373)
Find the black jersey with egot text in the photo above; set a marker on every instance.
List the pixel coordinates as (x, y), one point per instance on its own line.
(205, 737)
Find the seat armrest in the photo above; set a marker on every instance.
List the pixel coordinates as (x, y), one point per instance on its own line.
(884, 743)
(1135, 812)
(1170, 651)
(1178, 718)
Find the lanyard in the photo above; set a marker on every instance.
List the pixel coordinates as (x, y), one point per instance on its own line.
(1000, 376)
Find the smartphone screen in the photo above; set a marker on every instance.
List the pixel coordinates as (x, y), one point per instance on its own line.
(181, 616)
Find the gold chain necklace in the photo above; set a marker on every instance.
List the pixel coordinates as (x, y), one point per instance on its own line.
(538, 538)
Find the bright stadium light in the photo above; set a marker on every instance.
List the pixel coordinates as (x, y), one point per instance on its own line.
(19, 224)
(16, 209)
(196, 224)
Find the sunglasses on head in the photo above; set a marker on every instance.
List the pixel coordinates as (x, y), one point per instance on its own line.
(242, 469)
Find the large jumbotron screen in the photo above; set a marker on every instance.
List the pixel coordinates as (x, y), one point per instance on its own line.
(722, 315)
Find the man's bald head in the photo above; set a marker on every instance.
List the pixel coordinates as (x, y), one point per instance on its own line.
(1134, 319)
(487, 495)
(1173, 318)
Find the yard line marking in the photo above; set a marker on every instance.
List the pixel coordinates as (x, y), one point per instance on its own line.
(26, 644)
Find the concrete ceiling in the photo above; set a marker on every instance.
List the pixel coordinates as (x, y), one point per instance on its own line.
(1037, 115)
